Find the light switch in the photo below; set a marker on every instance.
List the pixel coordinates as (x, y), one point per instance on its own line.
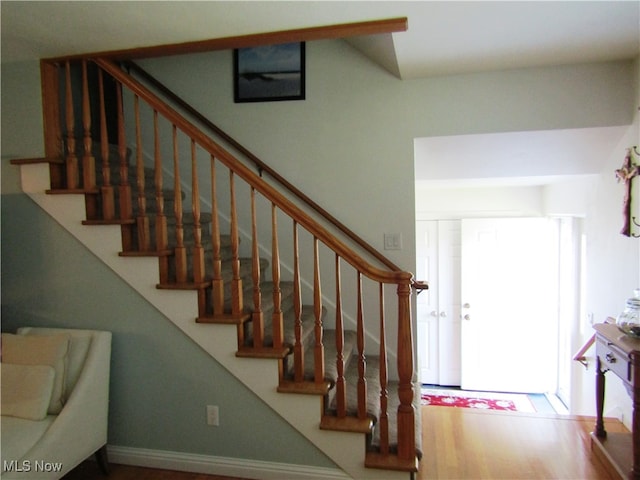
(393, 241)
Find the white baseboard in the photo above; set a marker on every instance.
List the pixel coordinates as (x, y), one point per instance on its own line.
(225, 466)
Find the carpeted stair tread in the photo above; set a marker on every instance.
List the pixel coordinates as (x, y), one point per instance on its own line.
(225, 258)
(266, 293)
(330, 353)
(308, 319)
(246, 271)
(286, 291)
(372, 376)
(187, 219)
(188, 231)
(267, 305)
(225, 245)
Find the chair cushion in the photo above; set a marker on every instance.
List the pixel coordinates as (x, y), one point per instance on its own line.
(40, 350)
(25, 390)
(18, 436)
(79, 344)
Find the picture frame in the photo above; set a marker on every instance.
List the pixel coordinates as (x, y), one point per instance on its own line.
(269, 73)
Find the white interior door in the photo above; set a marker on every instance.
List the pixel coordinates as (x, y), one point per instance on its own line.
(449, 325)
(438, 308)
(509, 326)
(427, 302)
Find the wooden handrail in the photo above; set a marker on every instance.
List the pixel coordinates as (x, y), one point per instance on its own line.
(260, 165)
(269, 192)
(580, 354)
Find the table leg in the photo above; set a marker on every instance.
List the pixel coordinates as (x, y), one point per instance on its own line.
(599, 431)
(635, 432)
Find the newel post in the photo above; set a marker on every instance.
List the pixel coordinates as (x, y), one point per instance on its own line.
(406, 411)
(50, 82)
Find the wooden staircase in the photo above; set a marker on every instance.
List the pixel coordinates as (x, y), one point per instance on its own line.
(277, 318)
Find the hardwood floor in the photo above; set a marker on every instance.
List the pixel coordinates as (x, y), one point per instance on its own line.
(476, 444)
(462, 443)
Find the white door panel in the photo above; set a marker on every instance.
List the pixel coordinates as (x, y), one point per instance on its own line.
(449, 301)
(427, 302)
(438, 308)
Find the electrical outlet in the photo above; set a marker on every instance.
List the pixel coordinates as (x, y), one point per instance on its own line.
(213, 415)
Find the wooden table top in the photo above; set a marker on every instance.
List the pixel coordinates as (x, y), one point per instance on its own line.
(623, 341)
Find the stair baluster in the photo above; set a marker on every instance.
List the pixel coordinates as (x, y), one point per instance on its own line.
(317, 310)
(384, 417)
(180, 252)
(277, 317)
(198, 250)
(124, 188)
(362, 363)
(108, 199)
(142, 220)
(236, 281)
(257, 315)
(161, 219)
(73, 174)
(341, 392)
(88, 162)
(126, 211)
(298, 348)
(217, 288)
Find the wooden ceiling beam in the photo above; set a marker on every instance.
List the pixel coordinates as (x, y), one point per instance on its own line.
(344, 30)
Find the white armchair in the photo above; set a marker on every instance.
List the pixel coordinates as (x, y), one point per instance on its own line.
(49, 447)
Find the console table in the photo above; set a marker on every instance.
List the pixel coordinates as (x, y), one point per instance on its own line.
(620, 354)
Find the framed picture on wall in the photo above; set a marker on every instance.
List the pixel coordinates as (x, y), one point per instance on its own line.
(269, 73)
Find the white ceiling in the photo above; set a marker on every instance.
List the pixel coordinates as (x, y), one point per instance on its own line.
(444, 38)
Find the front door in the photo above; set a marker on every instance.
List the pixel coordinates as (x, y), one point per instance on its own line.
(509, 307)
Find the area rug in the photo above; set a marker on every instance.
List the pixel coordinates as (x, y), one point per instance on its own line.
(512, 402)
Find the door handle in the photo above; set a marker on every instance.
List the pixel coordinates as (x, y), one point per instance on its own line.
(443, 314)
(467, 317)
(466, 305)
(433, 313)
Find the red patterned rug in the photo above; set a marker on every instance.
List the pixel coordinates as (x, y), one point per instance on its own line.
(512, 402)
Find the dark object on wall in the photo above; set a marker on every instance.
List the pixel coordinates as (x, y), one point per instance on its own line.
(626, 174)
(269, 73)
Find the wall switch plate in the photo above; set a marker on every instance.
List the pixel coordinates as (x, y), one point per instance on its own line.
(393, 241)
(213, 417)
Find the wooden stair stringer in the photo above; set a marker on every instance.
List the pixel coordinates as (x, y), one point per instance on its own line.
(181, 307)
